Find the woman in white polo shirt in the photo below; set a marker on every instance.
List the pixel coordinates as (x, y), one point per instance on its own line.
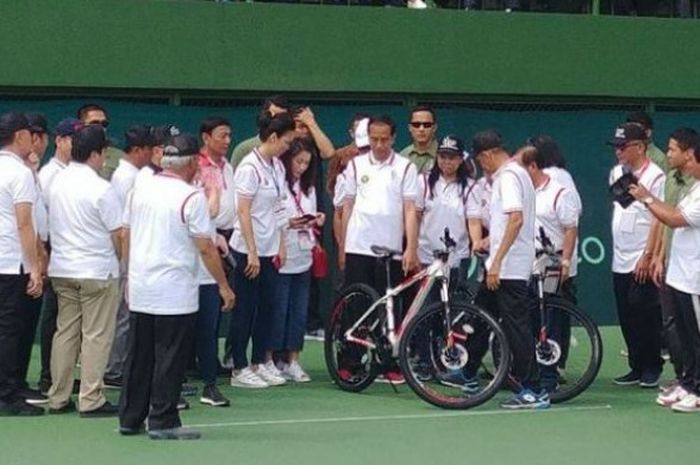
(294, 282)
(259, 250)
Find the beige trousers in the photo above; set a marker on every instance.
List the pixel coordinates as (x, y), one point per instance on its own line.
(87, 311)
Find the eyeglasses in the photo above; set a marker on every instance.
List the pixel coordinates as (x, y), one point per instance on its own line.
(421, 124)
(104, 123)
(624, 147)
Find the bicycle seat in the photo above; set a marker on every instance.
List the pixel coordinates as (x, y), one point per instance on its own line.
(384, 252)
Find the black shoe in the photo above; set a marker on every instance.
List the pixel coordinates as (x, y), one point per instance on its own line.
(212, 396)
(107, 410)
(175, 433)
(68, 408)
(629, 379)
(649, 379)
(113, 383)
(19, 408)
(188, 390)
(127, 431)
(44, 385)
(32, 396)
(182, 404)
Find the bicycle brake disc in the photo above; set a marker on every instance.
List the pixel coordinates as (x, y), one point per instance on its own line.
(549, 353)
(455, 357)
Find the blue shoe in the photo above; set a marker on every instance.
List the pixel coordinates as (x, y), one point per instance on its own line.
(526, 399)
(457, 378)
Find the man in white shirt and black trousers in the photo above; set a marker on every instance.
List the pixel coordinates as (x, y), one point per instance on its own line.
(683, 275)
(511, 245)
(169, 228)
(633, 230)
(20, 273)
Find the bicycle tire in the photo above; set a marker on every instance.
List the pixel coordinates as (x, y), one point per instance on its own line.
(459, 314)
(339, 321)
(579, 319)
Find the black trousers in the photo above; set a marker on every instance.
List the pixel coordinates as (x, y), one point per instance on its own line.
(15, 323)
(670, 320)
(368, 270)
(157, 354)
(512, 304)
(47, 329)
(314, 319)
(30, 320)
(687, 309)
(639, 312)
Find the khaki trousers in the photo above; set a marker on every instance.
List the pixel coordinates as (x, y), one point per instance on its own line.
(87, 311)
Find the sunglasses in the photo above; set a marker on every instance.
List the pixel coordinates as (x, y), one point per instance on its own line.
(103, 123)
(421, 124)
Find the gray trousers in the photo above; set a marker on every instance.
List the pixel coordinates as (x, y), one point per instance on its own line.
(115, 366)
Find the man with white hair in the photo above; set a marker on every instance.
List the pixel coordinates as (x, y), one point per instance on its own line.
(169, 226)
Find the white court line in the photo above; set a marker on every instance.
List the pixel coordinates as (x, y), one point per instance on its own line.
(476, 413)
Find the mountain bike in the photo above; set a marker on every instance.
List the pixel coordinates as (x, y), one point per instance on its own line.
(432, 344)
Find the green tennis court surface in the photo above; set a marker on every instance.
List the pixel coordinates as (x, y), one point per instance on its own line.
(318, 424)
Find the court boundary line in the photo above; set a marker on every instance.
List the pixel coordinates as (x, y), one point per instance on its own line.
(415, 416)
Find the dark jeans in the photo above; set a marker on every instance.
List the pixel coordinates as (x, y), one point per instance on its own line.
(291, 303)
(670, 321)
(511, 304)
(314, 320)
(687, 309)
(13, 305)
(254, 310)
(49, 313)
(206, 338)
(639, 312)
(155, 365)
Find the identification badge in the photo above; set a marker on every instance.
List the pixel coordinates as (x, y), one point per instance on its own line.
(306, 241)
(627, 221)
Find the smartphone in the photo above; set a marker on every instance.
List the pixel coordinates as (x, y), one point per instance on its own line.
(308, 217)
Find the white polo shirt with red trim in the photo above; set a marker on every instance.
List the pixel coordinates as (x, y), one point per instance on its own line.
(299, 241)
(684, 263)
(443, 206)
(512, 191)
(556, 209)
(163, 217)
(631, 225)
(379, 189)
(221, 175)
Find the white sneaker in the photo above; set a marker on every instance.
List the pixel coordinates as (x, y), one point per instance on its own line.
(417, 4)
(667, 399)
(689, 404)
(246, 378)
(296, 373)
(268, 372)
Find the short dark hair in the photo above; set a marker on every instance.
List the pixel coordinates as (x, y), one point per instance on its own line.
(278, 124)
(83, 111)
(529, 155)
(426, 108)
(642, 118)
(276, 100)
(383, 119)
(87, 140)
(687, 138)
(308, 179)
(212, 122)
(486, 140)
(549, 150)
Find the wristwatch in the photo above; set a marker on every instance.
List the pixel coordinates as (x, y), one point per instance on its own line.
(648, 200)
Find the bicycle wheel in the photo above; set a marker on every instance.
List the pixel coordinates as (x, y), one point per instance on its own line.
(440, 355)
(570, 358)
(351, 365)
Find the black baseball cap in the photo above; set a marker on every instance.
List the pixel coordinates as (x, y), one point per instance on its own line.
(139, 135)
(37, 123)
(162, 133)
(486, 140)
(452, 145)
(627, 132)
(12, 122)
(68, 127)
(181, 145)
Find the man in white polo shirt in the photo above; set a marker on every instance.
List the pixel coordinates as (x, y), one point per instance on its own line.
(139, 141)
(169, 228)
(511, 245)
(683, 276)
(84, 224)
(63, 139)
(20, 276)
(633, 229)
